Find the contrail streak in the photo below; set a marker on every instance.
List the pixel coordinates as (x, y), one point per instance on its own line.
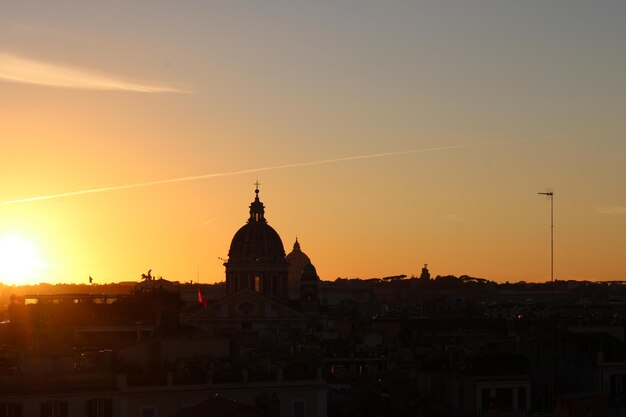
(270, 168)
(205, 223)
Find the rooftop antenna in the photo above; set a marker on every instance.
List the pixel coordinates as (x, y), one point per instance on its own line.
(551, 195)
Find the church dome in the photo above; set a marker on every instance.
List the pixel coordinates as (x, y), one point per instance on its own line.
(297, 259)
(309, 273)
(256, 241)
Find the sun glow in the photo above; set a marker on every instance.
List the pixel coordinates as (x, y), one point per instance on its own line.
(20, 262)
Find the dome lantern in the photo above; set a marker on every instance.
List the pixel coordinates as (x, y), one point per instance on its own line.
(257, 209)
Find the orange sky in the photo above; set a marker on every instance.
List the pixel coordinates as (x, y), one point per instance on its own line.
(463, 111)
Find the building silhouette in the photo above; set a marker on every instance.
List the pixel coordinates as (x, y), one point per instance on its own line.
(256, 259)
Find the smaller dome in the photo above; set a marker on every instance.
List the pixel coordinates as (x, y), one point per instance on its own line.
(297, 261)
(296, 257)
(309, 273)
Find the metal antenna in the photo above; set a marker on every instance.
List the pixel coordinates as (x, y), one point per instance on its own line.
(551, 195)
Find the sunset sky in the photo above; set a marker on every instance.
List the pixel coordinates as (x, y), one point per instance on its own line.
(385, 135)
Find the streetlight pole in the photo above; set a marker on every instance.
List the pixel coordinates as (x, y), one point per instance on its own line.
(551, 195)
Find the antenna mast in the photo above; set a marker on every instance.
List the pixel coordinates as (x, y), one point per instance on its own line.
(551, 195)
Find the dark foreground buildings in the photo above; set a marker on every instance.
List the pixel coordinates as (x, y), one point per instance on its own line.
(274, 340)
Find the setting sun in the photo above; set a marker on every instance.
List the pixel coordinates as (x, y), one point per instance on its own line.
(19, 260)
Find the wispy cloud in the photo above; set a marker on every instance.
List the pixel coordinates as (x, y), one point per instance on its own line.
(28, 71)
(615, 210)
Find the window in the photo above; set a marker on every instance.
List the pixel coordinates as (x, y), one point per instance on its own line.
(246, 308)
(521, 398)
(257, 284)
(297, 408)
(486, 400)
(54, 408)
(617, 389)
(10, 410)
(99, 407)
(504, 398)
